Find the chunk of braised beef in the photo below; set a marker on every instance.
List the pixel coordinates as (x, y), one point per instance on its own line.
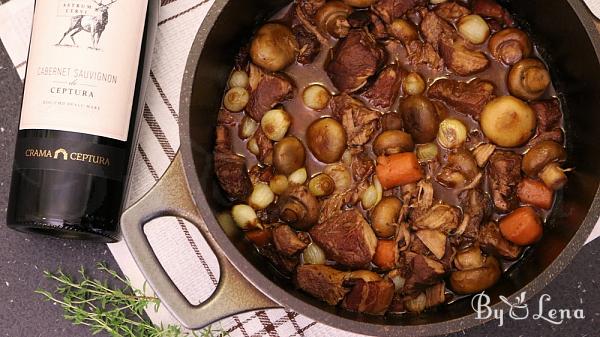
(261, 174)
(548, 114)
(549, 118)
(434, 29)
(269, 214)
(389, 10)
(416, 14)
(386, 88)
(355, 59)
(448, 257)
(424, 53)
(285, 265)
(492, 241)
(491, 9)
(371, 297)
(460, 58)
(377, 27)
(232, 175)
(556, 135)
(323, 282)
(416, 246)
(397, 305)
(423, 272)
(466, 97)
(361, 165)
(266, 91)
(265, 147)
(230, 168)
(451, 11)
(476, 208)
(335, 204)
(308, 43)
(359, 121)
(494, 25)
(304, 14)
(404, 263)
(504, 171)
(347, 239)
(287, 241)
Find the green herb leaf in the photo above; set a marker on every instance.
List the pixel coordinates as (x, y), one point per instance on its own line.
(117, 310)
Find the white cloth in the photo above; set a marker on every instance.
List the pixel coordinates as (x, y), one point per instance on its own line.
(594, 6)
(179, 246)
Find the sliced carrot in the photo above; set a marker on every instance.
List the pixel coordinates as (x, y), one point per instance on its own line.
(398, 169)
(385, 254)
(260, 237)
(535, 193)
(522, 227)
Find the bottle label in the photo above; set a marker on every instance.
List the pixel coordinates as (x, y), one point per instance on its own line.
(82, 66)
(70, 156)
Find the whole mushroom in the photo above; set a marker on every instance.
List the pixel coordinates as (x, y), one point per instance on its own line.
(528, 79)
(321, 185)
(420, 118)
(289, 155)
(385, 216)
(326, 140)
(540, 155)
(510, 46)
(470, 281)
(299, 208)
(332, 18)
(507, 121)
(470, 258)
(460, 170)
(274, 47)
(393, 141)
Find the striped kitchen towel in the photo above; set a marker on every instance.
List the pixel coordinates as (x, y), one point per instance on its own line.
(178, 244)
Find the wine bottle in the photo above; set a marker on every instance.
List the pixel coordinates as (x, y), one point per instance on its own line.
(82, 96)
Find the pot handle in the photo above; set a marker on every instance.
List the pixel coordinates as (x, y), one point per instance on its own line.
(171, 196)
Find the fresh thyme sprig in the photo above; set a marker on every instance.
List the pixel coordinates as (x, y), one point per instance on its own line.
(116, 309)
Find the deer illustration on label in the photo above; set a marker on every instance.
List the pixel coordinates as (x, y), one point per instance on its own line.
(94, 24)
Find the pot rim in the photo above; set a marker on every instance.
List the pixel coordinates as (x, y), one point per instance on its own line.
(279, 295)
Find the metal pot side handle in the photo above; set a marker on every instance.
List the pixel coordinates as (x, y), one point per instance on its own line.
(171, 197)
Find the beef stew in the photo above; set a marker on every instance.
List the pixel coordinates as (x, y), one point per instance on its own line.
(423, 179)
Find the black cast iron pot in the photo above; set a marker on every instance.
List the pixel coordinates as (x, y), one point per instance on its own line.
(565, 30)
